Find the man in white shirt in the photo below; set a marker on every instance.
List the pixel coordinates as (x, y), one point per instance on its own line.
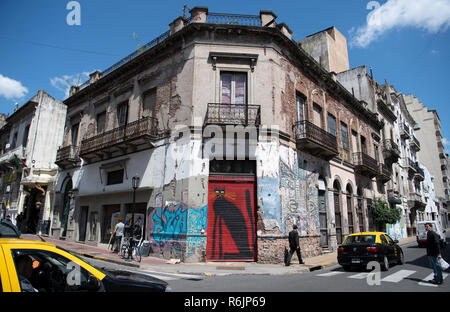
(119, 234)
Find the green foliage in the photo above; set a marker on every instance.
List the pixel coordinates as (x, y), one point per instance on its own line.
(382, 213)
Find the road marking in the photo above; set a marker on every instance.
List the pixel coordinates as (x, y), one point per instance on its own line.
(169, 276)
(359, 276)
(430, 277)
(331, 273)
(398, 276)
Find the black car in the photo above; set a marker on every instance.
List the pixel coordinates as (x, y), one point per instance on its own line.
(361, 248)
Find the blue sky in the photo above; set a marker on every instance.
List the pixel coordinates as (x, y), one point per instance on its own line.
(39, 50)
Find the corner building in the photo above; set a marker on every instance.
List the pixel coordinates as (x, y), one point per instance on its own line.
(235, 133)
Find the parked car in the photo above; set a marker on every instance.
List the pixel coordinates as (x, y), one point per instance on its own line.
(422, 233)
(51, 269)
(361, 248)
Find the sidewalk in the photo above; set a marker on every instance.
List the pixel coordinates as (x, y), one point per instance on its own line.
(159, 265)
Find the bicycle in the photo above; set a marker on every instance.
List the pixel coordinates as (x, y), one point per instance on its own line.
(131, 250)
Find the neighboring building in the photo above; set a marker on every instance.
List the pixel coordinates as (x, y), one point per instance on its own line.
(432, 153)
(310, 150)
(28, 149)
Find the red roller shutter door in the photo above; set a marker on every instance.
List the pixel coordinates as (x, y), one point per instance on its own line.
(231, 219)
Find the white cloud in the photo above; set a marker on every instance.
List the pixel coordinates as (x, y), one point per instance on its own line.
(66, 81)
(11, 89)
(445, 141)
(429, 15)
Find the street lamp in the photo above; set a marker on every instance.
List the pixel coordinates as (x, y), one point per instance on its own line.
(134, 183)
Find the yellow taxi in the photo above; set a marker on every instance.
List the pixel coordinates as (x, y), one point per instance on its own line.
(34, 266)
(359, 249)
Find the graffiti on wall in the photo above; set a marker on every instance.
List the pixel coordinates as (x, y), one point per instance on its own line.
(167, 228)
(299, 198)
(197, 223)
(269, 202)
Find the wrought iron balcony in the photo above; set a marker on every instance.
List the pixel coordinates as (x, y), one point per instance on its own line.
(384, 174)
(419, 174)
(67, 156)
(391, 150)
(314, 140)
(365, 165)
(136, 133)
(404, 131)
(414, 143)
(415, 201)
(233, 114)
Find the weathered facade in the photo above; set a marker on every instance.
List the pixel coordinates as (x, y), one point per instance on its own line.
(235, 133)
(27, 160)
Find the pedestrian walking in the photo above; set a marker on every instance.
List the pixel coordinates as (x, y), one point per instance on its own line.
(294, 246)
(118, 231)
(434, 254)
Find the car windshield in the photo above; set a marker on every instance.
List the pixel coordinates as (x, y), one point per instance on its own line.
(356, 239)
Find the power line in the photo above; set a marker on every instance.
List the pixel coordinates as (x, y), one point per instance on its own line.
(58, 47)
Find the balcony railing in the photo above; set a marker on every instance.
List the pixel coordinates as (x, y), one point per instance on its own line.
(404, 131)
(414, 143)
(415, 201)
(419, 174)
(315, 140)
(233, 19)
(67, 155)
(136, 132)
(233, 114)
(365, 165)
(391, 149)
(384, 174)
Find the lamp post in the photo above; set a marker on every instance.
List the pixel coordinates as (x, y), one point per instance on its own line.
(135, 183)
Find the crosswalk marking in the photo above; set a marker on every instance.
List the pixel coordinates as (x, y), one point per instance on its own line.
(359, 276)
(392, 278)
(398, 276)
(331, 273)
(169, 276)
(430, 277)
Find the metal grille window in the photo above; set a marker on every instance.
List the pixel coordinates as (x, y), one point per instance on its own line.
(115, 177)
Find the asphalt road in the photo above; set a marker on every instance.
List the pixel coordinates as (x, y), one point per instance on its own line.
(412, 276)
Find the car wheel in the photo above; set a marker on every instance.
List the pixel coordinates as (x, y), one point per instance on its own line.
(385, 264)
(401, 258)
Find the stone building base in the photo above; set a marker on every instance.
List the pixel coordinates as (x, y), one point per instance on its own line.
(271, 249)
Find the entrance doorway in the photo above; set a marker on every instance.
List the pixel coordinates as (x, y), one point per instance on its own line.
(231, 224)
(337, 211)
(83, 223)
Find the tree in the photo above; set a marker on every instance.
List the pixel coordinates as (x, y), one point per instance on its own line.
(383, 214)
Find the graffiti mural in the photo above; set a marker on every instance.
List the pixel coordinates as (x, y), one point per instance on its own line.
(299, 198)
(167, 228)
(197, 224)
(231, 221)
(269, 201)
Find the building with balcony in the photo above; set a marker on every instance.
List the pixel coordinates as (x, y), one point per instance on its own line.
(235, 133)
(431, 152)
(28, 152)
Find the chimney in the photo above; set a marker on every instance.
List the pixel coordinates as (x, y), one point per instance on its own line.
(285, 30)
(93, 77)
(268, 18)
(73, 90)
(177, 24)
(198, 14)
